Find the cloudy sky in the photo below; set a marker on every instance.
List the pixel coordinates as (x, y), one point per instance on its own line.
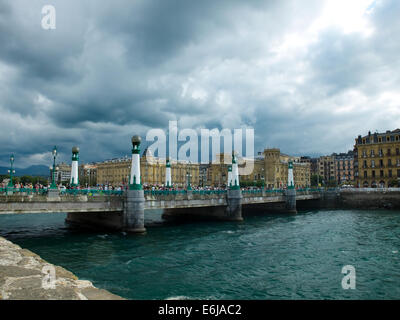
(308, 76)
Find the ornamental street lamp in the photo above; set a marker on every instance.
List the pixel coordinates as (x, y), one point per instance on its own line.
(263, 178)
(188, 176)
(11, 171)
(53, 182)
(88, 173)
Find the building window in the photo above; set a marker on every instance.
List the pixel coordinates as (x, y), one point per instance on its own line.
(373, 163)
(390, 173)
(365, 174)
(389, 162)
(381, 173)
(373, 173)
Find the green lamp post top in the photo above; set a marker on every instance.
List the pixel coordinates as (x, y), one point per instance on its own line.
(290, 164)
(168, 164)
(230, 168)
(75, 153)
(233, 157)
(136, 140)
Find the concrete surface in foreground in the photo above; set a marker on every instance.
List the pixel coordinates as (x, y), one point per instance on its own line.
(22, 278)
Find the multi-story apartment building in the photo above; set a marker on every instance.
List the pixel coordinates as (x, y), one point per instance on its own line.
(344, 163)
(327, 169)
(337, 168)
(313, 164)
(377, 159)
(117, 171)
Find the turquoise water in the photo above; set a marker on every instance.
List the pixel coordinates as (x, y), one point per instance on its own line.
(265, 257)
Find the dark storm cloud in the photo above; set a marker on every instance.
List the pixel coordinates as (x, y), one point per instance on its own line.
(112, 69)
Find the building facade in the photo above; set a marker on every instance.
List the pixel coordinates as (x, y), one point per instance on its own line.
(88, 174)
(327, 169)
(276, 170)
(63, 173)
(116, 172)
(377, 159)
(270, 168)
(344, 164)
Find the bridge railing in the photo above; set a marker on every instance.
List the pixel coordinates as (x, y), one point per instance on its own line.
(182, 192)
(26, 191)
(90, 192)
(164, 192)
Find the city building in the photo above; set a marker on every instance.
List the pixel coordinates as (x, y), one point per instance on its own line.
(327, 169)
(313, 164)
(276, 170)
(344, 163)
(63, 173)
(88, 174)
(270, 168)
(377, 159)
(337, 168)
(116, 171)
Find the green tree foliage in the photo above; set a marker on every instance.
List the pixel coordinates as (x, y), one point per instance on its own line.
(314, 180)
(393, 184)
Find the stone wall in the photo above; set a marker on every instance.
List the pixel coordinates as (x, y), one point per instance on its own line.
(22, 276)
(369, 199)
(66, 203)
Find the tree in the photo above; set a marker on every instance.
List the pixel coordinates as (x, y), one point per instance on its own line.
(314, 180)
(393, 183)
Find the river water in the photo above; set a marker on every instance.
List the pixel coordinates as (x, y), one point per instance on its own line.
(272, 256)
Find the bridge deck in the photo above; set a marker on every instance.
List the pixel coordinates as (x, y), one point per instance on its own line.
(38, 203)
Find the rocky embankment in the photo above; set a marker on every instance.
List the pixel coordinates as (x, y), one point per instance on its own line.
(26, 276)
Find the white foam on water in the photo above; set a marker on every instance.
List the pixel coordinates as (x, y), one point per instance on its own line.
(179, 298)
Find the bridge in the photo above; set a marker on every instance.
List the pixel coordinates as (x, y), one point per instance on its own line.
(124, 210)
(111, 208)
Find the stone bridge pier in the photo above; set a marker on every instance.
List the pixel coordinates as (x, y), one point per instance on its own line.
(290, 201)
(133, 214)
(234, 207)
